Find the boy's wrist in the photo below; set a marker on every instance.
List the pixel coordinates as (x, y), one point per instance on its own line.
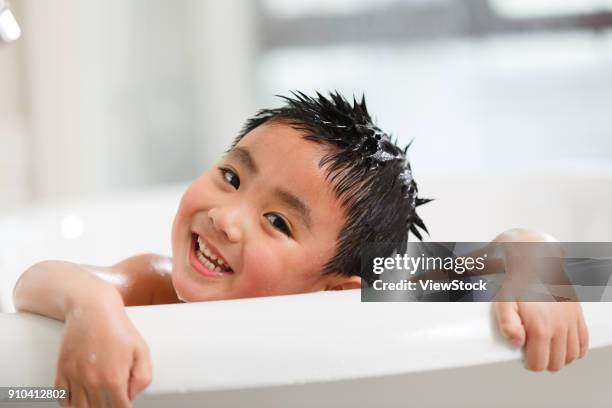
(97, 294)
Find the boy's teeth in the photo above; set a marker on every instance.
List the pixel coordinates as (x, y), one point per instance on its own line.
(205, 256)
(205, 249)
(201, 244)
(206, 262)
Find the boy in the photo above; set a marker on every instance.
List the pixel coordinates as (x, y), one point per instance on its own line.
(285, 211)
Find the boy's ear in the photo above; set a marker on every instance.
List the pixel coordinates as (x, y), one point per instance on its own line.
(344, 283)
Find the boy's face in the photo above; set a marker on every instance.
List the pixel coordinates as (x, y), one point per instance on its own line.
(268, 211)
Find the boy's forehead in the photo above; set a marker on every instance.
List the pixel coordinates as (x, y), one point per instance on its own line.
(277, 135)
(280, 153)
(278, 145)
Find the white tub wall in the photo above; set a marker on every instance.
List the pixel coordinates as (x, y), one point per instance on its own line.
(328, 349)
(500, 385)
(567, 201)
(97, 231)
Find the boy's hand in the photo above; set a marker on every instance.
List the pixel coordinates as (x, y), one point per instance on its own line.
(103, 360)
(554, 333)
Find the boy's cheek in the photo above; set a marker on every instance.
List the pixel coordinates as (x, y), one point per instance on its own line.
(180, 218)
(191, 202)
(264, 271)
(197, 194)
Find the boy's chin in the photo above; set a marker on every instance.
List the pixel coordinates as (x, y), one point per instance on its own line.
(188, 290)
(187, 295)
(183, 288)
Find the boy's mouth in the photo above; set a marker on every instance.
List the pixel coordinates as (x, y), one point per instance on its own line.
(210, 259)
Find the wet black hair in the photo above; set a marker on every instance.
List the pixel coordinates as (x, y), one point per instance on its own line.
(369, 173)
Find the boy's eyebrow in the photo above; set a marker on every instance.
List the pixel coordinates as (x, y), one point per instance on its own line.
(294, 202)
(243, 156)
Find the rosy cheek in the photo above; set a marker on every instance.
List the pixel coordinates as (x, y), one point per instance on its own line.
(193, 197)
(264, 271)
(192, 200)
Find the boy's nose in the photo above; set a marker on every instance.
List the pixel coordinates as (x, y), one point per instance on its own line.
(226, 221)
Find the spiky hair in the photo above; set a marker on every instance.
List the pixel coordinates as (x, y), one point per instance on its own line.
(369, 173)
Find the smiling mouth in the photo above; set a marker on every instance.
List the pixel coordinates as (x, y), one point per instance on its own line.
(208, 258)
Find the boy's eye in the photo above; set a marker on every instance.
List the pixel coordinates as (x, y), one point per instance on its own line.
(279, 223)
(231, 177)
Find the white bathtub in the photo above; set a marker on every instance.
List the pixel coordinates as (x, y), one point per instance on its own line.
(321, 349)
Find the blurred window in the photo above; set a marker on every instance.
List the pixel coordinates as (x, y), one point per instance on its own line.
(477, 83)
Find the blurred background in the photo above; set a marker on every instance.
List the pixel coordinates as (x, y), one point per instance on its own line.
(101, 96)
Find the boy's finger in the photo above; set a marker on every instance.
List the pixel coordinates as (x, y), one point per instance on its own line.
(97, 398)
(108, 399)
(79, 396)
(537, 350)
(140, 376)
(558, 351)
(573, 345)
(509, 322)
(120, 399)
(583, 334)
(61, 382)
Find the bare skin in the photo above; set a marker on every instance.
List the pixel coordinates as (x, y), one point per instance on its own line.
(148, 280)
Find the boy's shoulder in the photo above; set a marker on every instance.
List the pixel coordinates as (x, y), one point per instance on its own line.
(148, 280)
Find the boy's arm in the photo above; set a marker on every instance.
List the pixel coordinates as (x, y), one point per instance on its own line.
(553, 333)
(50, 287)
(141, 280)
(103, 359)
